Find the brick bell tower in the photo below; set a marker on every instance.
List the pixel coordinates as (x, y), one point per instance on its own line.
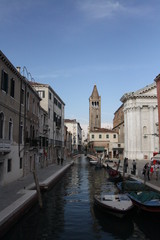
(94, 110)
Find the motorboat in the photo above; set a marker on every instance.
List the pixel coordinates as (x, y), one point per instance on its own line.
(116, 204)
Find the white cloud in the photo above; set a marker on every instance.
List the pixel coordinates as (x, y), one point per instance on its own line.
(100, 8)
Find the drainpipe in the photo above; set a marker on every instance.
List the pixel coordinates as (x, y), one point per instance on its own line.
(157, 80)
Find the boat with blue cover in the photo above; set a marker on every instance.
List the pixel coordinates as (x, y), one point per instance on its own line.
(148, 201)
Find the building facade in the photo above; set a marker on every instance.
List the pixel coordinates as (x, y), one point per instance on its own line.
(11, 122)
(54, 106)
(140, 123)
(118, 126)
(103, 140)
(75, 129)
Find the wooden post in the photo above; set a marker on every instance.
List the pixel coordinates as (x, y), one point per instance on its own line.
(38, 189)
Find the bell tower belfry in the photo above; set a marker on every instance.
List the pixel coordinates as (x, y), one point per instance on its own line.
(94, 110)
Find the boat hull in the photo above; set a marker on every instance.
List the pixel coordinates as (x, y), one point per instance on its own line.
(115, 208)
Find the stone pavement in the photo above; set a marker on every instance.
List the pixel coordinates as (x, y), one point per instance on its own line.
(153, 183)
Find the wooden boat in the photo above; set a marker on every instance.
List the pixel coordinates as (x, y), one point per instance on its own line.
(116, 204)
(114, 175)
(131, 185)
(93, 162)
(148, 201)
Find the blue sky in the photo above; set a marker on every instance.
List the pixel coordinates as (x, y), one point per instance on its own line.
(74, 44)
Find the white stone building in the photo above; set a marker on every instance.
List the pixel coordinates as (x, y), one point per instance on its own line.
(140, 123)
(74, 127)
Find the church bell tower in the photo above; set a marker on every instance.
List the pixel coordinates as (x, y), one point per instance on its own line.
(94, 110)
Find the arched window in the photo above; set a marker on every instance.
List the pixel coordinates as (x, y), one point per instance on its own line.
(1, 124)
(10, 129)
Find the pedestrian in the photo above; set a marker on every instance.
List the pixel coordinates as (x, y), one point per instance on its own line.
(58, 159)
(151, 170)
(146, 170)
(134, 167)
(61, 160)
(125, 164)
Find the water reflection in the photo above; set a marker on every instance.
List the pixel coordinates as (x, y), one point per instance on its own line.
(69, 212)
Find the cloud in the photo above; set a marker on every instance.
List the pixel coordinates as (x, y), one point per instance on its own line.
(99, 9)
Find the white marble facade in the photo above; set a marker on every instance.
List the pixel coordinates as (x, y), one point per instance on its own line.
(140, 123)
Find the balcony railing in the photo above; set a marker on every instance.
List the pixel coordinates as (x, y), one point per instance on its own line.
(5, 145)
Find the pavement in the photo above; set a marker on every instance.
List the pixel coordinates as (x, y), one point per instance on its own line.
(153, 183)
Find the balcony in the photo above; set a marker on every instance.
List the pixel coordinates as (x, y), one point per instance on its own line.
(33, 142)
(5, 146)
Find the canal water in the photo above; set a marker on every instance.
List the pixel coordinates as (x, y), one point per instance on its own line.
(69, 212)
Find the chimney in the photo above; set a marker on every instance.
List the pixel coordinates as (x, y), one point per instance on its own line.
(18, 69)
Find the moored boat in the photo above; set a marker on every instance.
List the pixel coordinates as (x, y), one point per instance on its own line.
(93, 162)
(115, 204)
(114, 175)
(131, 185)
(148, 201)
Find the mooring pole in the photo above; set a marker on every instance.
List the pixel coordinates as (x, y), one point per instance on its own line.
(38, 189)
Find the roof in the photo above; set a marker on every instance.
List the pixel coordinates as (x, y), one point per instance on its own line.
(103, 130)
(36, 84)
(95, 92)
(145, 92)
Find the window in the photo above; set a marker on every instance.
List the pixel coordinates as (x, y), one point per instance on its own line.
(9, 165)
(100, 136)
(4, 81)
(55, 101)
(10, 130)
(107, 136)
(49, 113)
(22, 96)
(92, 135)
(33, 106)
(50, 95)
(1, 124)
(96, 116)
(59, 105)
(21, 132)
(27, 101)
(114, 135)
(41, 94)
(20, 163)
(119, 145)
(12, 87)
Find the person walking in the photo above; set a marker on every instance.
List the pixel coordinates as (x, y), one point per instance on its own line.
(125, 164)
(61, 160)
(58, 159)
(146, 170)
(134, 167)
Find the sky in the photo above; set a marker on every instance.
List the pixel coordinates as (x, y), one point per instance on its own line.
(74, 44)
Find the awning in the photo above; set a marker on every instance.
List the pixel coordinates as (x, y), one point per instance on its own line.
(100, 149)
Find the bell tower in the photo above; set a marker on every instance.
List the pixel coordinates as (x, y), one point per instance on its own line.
(94, 110)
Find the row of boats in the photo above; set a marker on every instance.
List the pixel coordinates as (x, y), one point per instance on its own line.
(131, 194)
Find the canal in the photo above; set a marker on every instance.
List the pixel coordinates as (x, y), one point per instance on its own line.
(69, 212)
